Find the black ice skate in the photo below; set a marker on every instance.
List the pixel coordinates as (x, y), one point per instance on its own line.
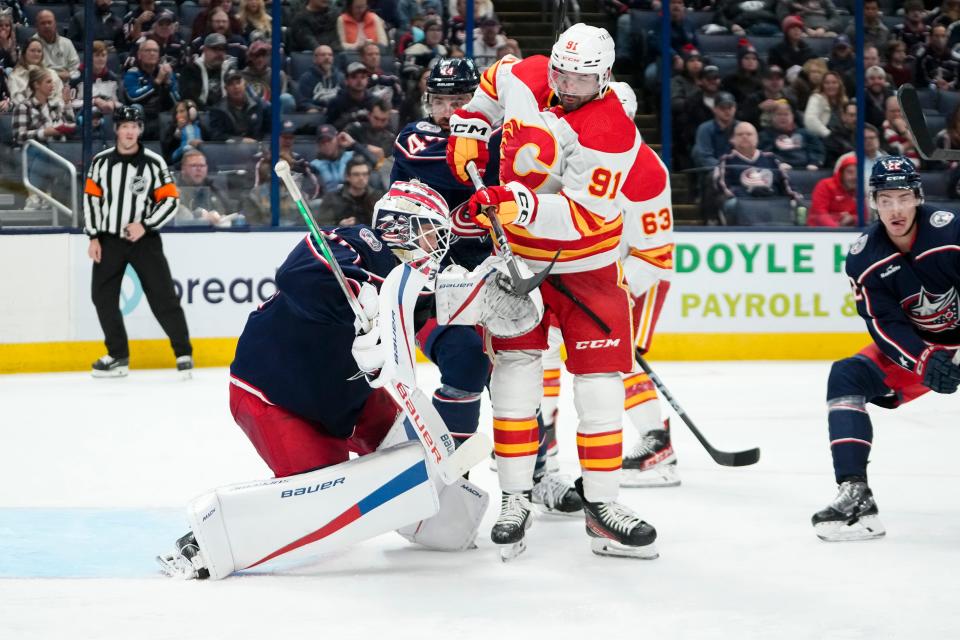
(851, 516)
(652, 463)
(554, 493)
(109, 367)
(512, 524)
(185, 562)
(615, 530)
(185, 367)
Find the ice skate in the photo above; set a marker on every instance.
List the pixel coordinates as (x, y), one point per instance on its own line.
(652, 463)
(555, 494)
(109, 367)
(185, 562)
(512, 524)
(185, 367)
(617, 531)
(851, 516)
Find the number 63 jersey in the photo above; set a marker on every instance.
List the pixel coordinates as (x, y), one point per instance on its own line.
(586, 166)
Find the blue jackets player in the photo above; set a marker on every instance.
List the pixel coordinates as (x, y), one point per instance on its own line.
(294, 389)
(420, 152)
(905, 274)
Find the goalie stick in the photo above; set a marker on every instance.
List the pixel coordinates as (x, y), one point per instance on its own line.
(520, 285)
(421, 418)
(912, 110)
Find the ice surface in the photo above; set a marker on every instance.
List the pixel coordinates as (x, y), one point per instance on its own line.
(94, 473)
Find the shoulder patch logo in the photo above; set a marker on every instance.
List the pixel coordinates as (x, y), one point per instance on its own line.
(859, 244)
(941, 219)
(368, 236)
(428, 127)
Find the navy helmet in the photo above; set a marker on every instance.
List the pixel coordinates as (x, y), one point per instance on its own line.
(895, 172)
(451, 76)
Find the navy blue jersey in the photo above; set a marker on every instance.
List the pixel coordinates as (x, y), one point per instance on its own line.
(295, 349)
(909, 300)
(420, 152)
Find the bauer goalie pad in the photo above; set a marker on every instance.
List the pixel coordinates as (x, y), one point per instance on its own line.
(484, 296)
(398, 296)
(245, 525)
(454, 528)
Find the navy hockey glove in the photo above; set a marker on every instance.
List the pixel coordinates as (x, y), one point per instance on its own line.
(940, 372)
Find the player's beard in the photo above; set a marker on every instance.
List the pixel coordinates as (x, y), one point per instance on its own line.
(571, 102)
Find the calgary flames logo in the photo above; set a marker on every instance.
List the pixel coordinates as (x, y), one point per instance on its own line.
(933, 312)
(529, 166)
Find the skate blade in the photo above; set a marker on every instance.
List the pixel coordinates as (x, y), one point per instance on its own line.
(186, 375)
(547, 511)
(667, 476)
(607, 547)
(509, 552)
(866, 528)
(179, 569)
(119, 372)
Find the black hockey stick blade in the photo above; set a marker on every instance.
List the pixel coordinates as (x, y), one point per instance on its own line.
(518, 284)
(912, 110)
(723, 458)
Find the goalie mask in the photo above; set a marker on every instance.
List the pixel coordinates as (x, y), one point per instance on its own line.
(414, 221)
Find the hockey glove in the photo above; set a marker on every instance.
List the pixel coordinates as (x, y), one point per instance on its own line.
(512, 203)
(940, 372)
(469, 133)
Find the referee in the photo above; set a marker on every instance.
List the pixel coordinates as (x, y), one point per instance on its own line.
(129, 194)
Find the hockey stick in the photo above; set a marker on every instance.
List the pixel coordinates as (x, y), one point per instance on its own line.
(421, 418)
(282, 170)
(912, 110)
(725, 458)
(521, 286)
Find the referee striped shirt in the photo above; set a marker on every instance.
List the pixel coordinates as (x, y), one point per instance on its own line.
(122, 189)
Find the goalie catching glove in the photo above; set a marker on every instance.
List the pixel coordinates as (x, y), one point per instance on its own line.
(512, 203)
(484, 296)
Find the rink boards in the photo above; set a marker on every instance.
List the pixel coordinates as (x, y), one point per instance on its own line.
(735, 295)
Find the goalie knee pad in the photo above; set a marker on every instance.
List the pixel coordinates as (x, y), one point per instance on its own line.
(454, 528)
(599, 401)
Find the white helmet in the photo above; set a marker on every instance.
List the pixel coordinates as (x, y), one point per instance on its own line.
(583, 49)
(626, 96)
(414, 221)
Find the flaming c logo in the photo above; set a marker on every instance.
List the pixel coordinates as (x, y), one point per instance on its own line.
(514, 166)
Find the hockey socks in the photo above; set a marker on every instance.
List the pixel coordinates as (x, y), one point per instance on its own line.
(460, 411)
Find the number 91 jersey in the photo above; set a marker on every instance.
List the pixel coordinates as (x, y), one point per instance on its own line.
(583, 165)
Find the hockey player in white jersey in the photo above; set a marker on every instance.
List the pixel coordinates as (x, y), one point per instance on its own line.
(646, 251)
(568, 152)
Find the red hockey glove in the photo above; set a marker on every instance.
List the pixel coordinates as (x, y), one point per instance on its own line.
(512, 203)
(469, 133)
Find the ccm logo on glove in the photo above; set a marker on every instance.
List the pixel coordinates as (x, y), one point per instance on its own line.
(512, 203)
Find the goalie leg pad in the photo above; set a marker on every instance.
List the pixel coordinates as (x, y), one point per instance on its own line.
(515, 390)
(454, 528)
(599, 401)
(245, 525)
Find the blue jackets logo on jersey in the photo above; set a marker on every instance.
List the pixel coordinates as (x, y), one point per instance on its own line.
(367, 236)
(934, 312)
(941, 219)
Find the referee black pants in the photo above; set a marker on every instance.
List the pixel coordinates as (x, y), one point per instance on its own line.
(147, 259)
